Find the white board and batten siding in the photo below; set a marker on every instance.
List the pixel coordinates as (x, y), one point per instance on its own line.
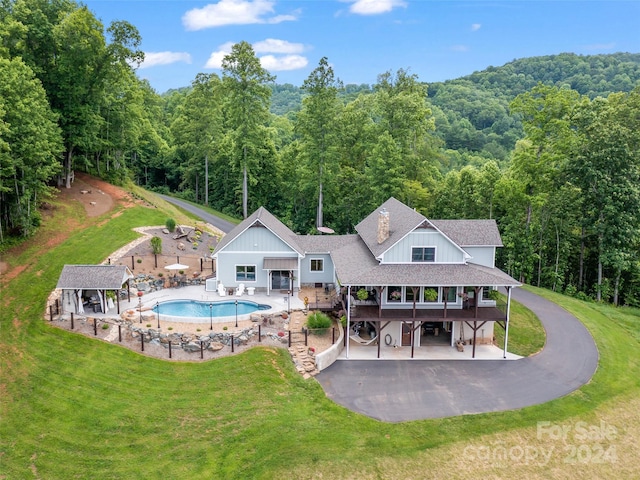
(446, 252)
(485, 256)
(251, 248)
(327, 275)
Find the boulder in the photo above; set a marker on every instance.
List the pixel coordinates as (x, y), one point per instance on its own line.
(215, 346)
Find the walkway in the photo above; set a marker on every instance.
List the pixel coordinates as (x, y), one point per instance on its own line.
(396, 391)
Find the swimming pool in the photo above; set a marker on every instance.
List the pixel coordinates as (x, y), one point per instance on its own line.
(204, 310)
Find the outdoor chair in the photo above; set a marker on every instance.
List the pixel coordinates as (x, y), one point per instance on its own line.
(221, 290)
(240, 290)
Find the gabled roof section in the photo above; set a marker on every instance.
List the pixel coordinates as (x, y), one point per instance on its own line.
(267, 220)
(93, 277)
(402, 220)
(471, 233)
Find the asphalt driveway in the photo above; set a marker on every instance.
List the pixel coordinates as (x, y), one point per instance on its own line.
(396, 391)
(217, 222)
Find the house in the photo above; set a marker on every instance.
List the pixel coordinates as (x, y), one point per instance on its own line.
(402, 279)
(86, 286)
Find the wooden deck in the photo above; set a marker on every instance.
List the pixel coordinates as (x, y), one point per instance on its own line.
(484, 314)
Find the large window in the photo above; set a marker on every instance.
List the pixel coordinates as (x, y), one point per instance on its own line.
(409, 297)
(245, 273)
(394, 294)
(317, 265)
(423, 254)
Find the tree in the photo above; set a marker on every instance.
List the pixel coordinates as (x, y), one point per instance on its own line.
(317, 126)
(247, 107)
(607, 170)
(30, 142)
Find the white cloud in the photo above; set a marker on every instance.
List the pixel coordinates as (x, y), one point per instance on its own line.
(273, 45)
(459, 48)
(153, 59)
(475, 27)
(232, 12)
(215, 59)
(286, 62)
(375, 7)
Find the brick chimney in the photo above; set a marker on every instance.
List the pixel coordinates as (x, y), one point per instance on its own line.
(383, 225)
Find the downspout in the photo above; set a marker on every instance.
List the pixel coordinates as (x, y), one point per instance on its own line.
(506, 324)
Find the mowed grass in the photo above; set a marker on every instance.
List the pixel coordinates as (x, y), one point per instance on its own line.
(74, 407)
(526, 334)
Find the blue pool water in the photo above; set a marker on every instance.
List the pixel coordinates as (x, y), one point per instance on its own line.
(195, 308)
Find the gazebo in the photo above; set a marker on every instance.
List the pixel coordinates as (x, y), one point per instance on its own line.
(87, 285)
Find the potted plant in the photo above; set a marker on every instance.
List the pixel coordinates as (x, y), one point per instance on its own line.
(430, 295)
(395, 295)
(362, 294)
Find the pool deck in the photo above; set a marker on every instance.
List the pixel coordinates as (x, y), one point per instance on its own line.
(277, 301)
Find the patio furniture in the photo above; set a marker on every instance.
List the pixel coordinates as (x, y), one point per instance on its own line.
(251, 290)
(240, 290)
(221, 290)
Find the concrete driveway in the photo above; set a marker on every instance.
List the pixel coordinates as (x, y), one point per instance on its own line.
(396, 391)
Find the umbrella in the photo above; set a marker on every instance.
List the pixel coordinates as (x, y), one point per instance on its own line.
(176, 266)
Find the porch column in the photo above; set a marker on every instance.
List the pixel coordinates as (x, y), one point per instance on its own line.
(348, 319)
(477, 290)
(445, 291)
(268, 283)
(415, 291)
(382, 289)
(506, 323)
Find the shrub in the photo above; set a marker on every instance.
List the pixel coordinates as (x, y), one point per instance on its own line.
(170, 328)
(148, 325)
(170, 224)
(156, 245)
(318, 322)
(139, 260)
(430, 294)
(105, 326)
(362, 294)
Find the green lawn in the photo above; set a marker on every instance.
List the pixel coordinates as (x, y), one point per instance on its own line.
(75, 407)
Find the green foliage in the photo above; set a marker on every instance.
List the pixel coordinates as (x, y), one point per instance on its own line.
(170, 223)
(362, 294)
(318, 322)
(430, 294)
(156, 245)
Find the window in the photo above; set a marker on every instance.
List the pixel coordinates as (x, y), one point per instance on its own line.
(317, 265)
(245, 273)
(423, 254)
(451, 296)
(394, 294)
(408, 294)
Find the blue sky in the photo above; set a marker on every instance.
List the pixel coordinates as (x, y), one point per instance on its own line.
(436, 40)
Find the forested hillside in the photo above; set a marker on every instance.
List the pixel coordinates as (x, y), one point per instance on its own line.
(549, 146)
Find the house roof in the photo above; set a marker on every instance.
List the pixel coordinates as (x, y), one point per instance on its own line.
(265, 218)
(93, 277)
(402, 220)
(354, 265)
(470, 233)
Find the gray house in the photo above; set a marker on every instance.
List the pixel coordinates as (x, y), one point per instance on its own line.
(402, 279)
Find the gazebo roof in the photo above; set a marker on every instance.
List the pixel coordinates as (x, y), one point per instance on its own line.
(93, 277)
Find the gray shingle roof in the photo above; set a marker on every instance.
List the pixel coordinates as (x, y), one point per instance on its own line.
(470, 233)
(267, 219)
(402, 220)
(93, 277)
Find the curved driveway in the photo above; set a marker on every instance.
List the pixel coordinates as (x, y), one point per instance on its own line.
(396, 391)
(206, 216)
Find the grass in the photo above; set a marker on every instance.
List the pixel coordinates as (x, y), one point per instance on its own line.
(75, 407)
(526, 334)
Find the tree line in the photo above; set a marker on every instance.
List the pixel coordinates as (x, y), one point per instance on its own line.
(556, 166)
